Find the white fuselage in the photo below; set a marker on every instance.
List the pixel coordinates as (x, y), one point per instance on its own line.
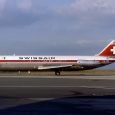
(49, 62)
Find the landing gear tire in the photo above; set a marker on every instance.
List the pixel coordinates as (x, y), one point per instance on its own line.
(57, 72)
(29, 72)
(19, 72)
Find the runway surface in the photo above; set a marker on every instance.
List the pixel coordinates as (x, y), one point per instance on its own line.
(57, 95)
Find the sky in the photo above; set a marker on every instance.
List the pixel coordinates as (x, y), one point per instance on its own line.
(56, 27)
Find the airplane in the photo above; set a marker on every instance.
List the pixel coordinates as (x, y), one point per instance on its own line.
(58, 63)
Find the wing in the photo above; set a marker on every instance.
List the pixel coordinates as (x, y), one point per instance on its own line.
(53, 67)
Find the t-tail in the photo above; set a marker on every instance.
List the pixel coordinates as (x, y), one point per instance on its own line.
(109, 50)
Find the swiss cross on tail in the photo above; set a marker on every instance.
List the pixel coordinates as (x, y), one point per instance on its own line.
(109, 50)
(113, 50)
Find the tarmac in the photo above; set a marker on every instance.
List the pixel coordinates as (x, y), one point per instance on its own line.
(57, 95)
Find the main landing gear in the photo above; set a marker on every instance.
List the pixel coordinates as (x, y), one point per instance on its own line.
(57, 72)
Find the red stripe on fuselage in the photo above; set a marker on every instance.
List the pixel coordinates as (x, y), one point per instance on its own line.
(39, 61)
(50, 61)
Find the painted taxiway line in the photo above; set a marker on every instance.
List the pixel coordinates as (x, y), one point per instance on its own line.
(40, 99)
(93, 87)
(63, 77)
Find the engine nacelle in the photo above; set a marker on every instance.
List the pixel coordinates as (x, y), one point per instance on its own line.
(88, 62)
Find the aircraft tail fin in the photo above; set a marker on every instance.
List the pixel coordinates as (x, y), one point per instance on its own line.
(109, 50)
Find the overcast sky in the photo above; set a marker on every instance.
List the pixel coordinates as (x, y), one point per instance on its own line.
(56, 27)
